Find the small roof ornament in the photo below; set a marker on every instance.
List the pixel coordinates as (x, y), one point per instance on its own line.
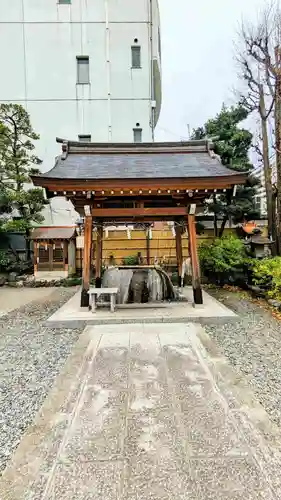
(64, 149)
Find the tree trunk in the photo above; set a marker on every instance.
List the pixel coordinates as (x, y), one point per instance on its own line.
(223, 224)
(278, 145)
(229, 195)
(267, 170)
(274, 250)
(28, 244)
(215, 220)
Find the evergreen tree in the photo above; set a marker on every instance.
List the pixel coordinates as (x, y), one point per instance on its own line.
(17, 163)
(232, 144)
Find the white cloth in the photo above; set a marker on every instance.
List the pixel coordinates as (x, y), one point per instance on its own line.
(186, 268)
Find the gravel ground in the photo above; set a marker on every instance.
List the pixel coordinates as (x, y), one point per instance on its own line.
(31, 356)
(253, 346)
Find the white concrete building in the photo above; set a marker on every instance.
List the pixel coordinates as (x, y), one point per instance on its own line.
(82, 68)
(260, 198)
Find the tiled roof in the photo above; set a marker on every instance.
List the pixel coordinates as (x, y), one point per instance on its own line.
(52, 233)
(137, 161)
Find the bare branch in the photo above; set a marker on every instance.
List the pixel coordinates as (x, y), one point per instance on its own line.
(257, 61)
(270, 108)
(269, 83)
(258, 150)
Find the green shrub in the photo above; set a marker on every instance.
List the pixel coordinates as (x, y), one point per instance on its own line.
(222, 255)
(5, 260)
(131, 260)
(72, 281)
(175, 278)
(9, 262)
(267, 274)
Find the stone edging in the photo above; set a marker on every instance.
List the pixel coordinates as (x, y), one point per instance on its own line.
(256, 291)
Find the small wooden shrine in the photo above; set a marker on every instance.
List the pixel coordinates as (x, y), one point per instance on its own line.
(54, 251)
(120, 183)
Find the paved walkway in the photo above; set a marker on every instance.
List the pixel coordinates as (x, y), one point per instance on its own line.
(12, 298)
(144, 412)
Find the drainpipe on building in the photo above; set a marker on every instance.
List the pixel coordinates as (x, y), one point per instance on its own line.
(107, 37)
(152, 107)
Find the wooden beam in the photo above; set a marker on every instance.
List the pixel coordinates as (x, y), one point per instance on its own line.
(179, 252)
(86, 261)
(65, 255)
(51, 256)
(36, 255)
(135, 185)
(130, 213)
(197, 291)
(148, 246)
(99, 255)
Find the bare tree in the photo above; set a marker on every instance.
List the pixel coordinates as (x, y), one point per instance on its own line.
(259, 60)
(278, 137)
(256, 100)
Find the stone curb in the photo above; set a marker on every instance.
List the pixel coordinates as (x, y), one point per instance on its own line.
(77, 323)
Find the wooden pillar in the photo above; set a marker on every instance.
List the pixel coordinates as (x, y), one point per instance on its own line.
(49, 244)
(88, 232)
(179, 251)
(148, 246)
(35, 255)
(99, 255)
(197, 291)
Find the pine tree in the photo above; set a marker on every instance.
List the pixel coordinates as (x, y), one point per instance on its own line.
(17, 162)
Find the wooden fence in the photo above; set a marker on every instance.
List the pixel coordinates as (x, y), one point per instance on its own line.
(162, 245)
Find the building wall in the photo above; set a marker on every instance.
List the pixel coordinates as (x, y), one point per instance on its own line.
(260, 198)
(39, 43)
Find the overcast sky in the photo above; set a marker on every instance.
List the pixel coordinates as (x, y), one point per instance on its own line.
(198, 69)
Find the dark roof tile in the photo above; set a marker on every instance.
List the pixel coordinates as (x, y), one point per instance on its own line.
(138, 165)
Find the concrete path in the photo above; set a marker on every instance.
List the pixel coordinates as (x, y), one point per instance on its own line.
(12, 298)
(147, 411)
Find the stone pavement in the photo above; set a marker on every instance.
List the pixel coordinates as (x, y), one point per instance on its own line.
(71, 315)
(12, 298)
(147, 411)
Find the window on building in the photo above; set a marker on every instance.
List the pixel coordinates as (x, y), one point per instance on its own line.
(84, 138)
(64, 2)
(83, 73)
(137, 134)
(136, 56)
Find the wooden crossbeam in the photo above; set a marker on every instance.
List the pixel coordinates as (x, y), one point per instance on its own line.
(131, 213)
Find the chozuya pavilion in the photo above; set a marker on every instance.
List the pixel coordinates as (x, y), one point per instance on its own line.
(137, 183)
